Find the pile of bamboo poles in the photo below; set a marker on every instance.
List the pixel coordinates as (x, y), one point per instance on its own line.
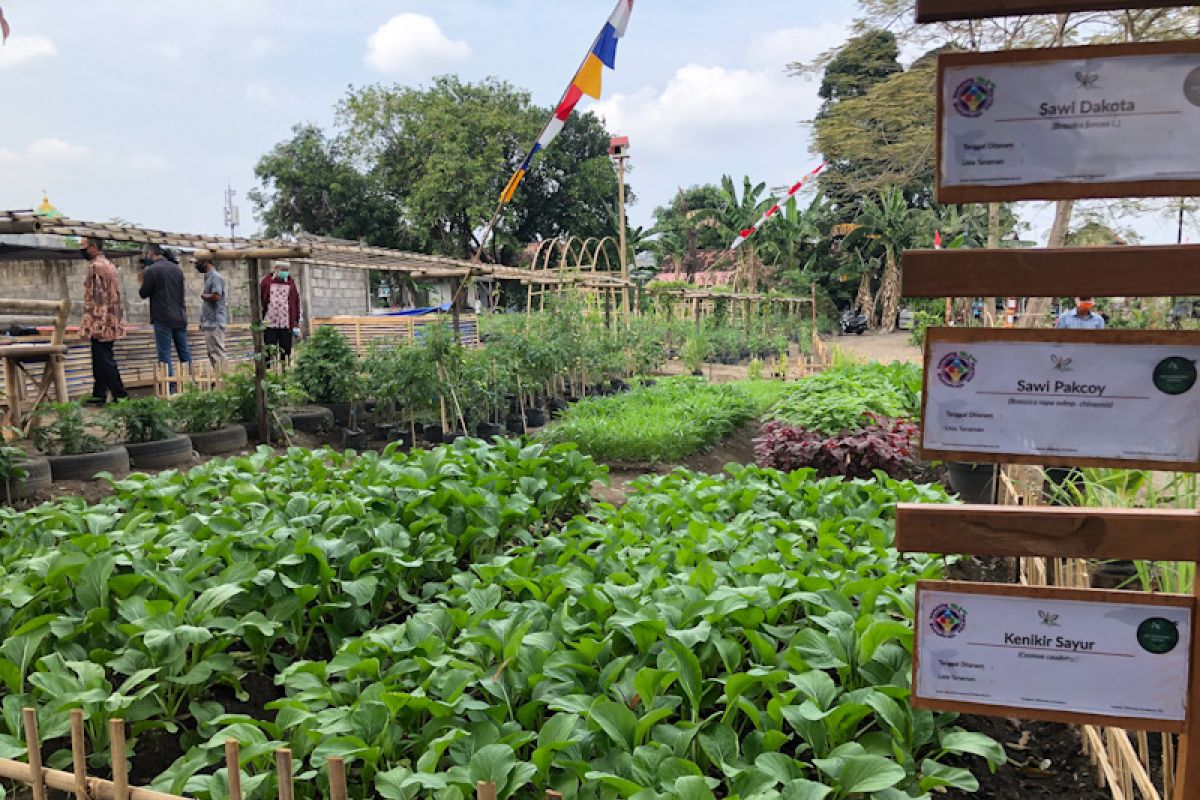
(1122, 763)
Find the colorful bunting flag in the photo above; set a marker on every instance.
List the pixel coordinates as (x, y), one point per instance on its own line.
(4, 29)
(589, 80)
(773, 210)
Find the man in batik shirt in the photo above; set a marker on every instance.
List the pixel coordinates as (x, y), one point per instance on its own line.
(103, 321)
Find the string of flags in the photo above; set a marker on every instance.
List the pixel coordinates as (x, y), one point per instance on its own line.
(4, 29)
(773, 210)
(588, 81)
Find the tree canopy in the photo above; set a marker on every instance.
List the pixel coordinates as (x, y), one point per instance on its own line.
(423, 168)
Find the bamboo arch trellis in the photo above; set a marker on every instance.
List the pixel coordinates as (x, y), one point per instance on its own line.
(578, 264)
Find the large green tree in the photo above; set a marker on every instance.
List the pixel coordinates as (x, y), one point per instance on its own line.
(422, 168)
(866, 60)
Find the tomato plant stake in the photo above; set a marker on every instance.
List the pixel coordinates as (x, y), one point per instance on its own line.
(337, 778)
(79, 754)
(283, 769)
(233, 767)
(37, 777)
(485, 791)
(116, 739)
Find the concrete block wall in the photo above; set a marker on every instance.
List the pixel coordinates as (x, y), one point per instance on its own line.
(334, 292)
(337, 292)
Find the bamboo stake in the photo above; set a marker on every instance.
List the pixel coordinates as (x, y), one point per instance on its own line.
(33, 746)
(283, 771)
(337, 778)
(60, 781)
(116, 738)
(79, 755)
(233, 769)
(485, 791)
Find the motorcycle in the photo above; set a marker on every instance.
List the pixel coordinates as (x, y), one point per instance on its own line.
(854, 323)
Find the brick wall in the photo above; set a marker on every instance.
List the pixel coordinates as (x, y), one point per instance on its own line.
(334, 292)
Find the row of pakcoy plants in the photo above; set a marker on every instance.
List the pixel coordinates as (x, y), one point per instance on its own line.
(466, 614)
(849, 421)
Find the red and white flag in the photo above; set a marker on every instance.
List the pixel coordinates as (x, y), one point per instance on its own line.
(773, 210)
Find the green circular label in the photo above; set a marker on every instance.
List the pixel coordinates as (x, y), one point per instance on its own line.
(1175, 375)
(1158, 636)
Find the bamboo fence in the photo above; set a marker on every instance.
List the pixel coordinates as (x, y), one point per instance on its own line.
(33, 773)
(1122, 759)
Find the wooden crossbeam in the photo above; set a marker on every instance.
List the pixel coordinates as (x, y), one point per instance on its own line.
(945, 10)
(1066, 272)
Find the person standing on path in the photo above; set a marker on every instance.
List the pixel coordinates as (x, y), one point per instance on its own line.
(162, 285)
(281, 309)
(1082, 317)
(103, 321)
(214, 314)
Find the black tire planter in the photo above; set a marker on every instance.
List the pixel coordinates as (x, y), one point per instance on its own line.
(973, 483)
(38, 480)
(160, 455)
(216, 443)
(535, 418)
(313, 421)
(486, 430)
(404, 440)
(433, 434)
(342, 412)
(87, 466)
(353, 439)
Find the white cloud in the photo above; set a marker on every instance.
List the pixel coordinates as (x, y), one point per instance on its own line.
(259, 93)
(711, 107)
(53, 151)
(148, 162)
(261, 47)
(787, 46)
(23, 49)
(168, 51)
(413, 44)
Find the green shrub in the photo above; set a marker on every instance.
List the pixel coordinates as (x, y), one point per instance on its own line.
(66, 434)
(839, 399)
(923, 321)
(140, 421)
(326, 368)
(202, 411)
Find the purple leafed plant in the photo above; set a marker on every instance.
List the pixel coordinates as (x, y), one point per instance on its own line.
(882, 444)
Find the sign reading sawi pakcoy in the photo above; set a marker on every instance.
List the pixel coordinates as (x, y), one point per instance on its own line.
(1079, 122)
(1063, 397)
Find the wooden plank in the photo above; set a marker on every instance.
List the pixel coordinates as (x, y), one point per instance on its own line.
(1171, 271)
(957, 195)
(946, 10)
(1049, 532)
(1015, 335)
(1051, 593)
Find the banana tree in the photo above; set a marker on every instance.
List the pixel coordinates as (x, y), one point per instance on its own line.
(734, 214)
(888, 226)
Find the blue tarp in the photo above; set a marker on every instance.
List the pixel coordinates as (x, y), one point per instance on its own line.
(417, 312)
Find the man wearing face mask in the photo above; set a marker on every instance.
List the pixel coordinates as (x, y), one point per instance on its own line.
(214, 315)
(103, 321)
(281, 309)
(162, 285)
(1081, 318)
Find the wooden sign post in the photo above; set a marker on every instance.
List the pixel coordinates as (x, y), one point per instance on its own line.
(946, 10)
(1066, 533)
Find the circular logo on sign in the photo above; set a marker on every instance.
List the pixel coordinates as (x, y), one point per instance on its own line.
(956, 370)
(948, 620)
(1175, 375)
(974, 96)
(1191, 87)
(1158, 636)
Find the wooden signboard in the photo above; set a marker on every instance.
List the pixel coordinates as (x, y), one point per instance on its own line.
(1081, 656)
(1062, 397)
(1069, 123)
(1067, 272)
(944, 10)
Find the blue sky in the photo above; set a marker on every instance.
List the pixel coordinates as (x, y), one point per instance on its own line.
(142, 109)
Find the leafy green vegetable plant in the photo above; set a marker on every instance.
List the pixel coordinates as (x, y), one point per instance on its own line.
(139, 420)
(326, 368)
(66, 434)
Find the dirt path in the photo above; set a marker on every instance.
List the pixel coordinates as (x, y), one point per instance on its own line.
(882, 347)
